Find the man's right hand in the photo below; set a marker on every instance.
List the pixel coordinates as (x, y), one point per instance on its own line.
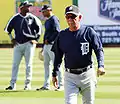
(14, 42)
(33, 42)
(55, 82)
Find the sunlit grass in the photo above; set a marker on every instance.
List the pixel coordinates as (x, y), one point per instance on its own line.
(107, 90)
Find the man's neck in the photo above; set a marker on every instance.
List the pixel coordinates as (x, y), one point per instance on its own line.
(23, 14)
(74, 28)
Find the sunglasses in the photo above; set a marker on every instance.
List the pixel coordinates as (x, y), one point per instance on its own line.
(71, 16)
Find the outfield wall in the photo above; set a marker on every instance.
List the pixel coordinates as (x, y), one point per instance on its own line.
(104, 17)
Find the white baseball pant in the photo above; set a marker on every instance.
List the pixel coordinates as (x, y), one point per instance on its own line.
(84, 83)
(27, 50)
(48, 59)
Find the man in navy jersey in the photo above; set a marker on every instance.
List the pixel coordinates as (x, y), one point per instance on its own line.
(27, 30)
(52, 28)
(76, 44)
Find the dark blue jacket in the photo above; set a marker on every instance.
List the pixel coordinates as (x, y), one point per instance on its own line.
(26, 28)
(77, 48)
(52, 28)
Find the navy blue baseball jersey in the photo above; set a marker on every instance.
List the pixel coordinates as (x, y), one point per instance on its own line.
(52, 28)
(25, 27)
(77, 48)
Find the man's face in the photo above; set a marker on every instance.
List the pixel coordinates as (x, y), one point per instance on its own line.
(25, 9)
(72, 19)
(45, 13)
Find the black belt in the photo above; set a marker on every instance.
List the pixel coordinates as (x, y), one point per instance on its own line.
(79, 70)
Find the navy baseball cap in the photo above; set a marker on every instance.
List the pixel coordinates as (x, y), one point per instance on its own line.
(45, 7)
(72, 9)
(25, 3)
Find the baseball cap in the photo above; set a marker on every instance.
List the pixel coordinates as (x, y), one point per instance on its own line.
(73, 10)
(25, 3)
(45, 7)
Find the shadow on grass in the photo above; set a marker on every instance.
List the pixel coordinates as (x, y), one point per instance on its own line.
(4, 91)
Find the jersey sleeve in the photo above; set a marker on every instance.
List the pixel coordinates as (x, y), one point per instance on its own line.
(9, 26)
(58, 56)
(56, 24)
(38, 22)
(98, 48)
(39, 31)
(55, 29)
(33, 30)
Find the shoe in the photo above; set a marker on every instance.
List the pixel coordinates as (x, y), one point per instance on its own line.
(9, 88)
(42, 88)
(61, 88)
(27, 88)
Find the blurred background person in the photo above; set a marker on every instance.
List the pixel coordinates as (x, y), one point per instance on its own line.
(27, 28)
(52, 29)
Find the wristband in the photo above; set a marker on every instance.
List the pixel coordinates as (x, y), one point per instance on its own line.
(10, 35)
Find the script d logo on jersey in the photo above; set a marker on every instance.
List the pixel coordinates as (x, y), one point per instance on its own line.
(110, 9)
(85, 48)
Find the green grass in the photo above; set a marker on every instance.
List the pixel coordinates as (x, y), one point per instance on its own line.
(107, 90)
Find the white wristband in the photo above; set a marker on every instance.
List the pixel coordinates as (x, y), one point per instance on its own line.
(10, 35)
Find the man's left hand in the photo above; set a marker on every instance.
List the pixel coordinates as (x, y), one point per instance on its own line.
(100, 71)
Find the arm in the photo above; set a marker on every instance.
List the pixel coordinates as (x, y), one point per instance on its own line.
(98, 49)
(54, 35)
(37, 29)
(40, 31)
(57, 61)
(8, 29)
(55, 29)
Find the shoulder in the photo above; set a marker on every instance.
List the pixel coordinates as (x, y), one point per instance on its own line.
(87, 29)
(64, 32)
(54, 18)
(32, 15)
(91, 32)
(35, 17)
(15, 16)
(90, 29)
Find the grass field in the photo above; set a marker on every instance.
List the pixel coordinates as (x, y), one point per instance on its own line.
(107, 92)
